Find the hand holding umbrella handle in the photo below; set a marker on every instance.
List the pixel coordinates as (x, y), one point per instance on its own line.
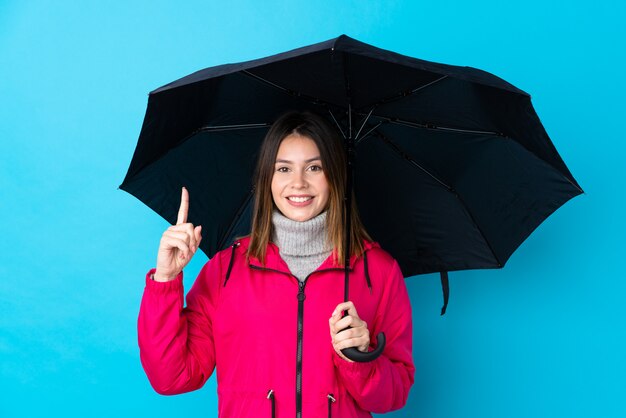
(360, 357)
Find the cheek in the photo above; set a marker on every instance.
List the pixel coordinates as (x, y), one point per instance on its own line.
(278, 186)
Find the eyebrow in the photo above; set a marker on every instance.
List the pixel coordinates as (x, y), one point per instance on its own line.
(291, 162)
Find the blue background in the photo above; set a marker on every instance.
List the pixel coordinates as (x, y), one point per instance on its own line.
(543, 337)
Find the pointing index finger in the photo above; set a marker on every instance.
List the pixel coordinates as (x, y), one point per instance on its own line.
(184, 207)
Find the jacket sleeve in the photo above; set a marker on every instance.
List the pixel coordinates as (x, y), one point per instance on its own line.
(383, 385)
(175, 342)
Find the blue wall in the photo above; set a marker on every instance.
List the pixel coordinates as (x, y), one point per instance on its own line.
(543, 337)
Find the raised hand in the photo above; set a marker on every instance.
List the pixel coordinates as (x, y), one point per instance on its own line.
(178, 244)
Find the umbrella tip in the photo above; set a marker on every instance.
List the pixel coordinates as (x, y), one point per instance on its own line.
(342, 38)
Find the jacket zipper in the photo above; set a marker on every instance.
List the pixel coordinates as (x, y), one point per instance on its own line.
(301, 297)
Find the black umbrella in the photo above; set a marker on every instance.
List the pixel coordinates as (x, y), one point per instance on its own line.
(452, 167)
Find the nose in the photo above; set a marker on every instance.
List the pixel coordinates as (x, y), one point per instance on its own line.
(299, 180)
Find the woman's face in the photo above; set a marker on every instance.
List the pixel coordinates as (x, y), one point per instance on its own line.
(299, 186)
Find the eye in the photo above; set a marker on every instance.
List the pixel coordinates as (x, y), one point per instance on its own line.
(316, 168)
(282, 169)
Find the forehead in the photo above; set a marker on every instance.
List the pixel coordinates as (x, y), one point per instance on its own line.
(297, 147)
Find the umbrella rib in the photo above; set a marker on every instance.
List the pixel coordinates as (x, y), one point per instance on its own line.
(290, 92)
(356, 138)
(410, 159)
(428, 84)
(336, 123)
(432, 126)
(246, 72)
(219, 128)
(439, 127)
(402, 95)
(231, 127)
(368, 132)
(311, 99)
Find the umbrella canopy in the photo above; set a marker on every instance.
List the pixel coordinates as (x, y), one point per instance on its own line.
(453, 169)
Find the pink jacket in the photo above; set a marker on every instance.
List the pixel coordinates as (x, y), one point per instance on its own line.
(252, 326)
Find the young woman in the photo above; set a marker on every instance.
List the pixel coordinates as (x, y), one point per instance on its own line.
(266, 313)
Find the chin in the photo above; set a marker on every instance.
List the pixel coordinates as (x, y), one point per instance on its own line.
(299, 217)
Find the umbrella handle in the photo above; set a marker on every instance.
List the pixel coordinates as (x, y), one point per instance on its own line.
(355, 355)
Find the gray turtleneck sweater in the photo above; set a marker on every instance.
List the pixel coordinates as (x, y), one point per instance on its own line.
(303, 245)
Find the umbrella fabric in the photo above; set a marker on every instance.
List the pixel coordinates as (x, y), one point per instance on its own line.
(453, 169)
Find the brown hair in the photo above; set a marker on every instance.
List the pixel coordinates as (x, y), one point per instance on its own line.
(333, 155)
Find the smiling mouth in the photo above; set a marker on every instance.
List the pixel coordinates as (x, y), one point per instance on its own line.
(299, 199)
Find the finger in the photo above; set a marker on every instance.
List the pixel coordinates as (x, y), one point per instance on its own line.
(188, 229)
(184, 207)
(342, 324)
(198, 234)
(332, 322)
(343, 306)
(361, 341)
(183, 236)
(346, 306)
(350, 324)
(173, 242)
(336, 316)
(351, 333)
(347, 334)
(348, 321)
(352, 342)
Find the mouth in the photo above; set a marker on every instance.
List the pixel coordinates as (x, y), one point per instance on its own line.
(299, 199)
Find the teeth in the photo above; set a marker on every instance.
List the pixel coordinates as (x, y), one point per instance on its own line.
(299, 199)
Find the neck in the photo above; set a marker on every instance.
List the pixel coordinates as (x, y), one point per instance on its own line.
(300, 238)
(302, 245)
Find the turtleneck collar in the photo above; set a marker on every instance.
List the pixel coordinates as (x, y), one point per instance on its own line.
(295, 238)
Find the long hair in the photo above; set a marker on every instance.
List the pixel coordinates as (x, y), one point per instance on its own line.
(333, 155)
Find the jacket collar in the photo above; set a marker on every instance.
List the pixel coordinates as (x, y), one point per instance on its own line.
(274, 261)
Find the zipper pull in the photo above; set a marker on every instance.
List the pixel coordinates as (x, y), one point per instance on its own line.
(270, 396)
(331, 400)
(301, 295)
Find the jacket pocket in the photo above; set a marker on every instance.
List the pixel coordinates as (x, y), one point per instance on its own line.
(237, 403)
